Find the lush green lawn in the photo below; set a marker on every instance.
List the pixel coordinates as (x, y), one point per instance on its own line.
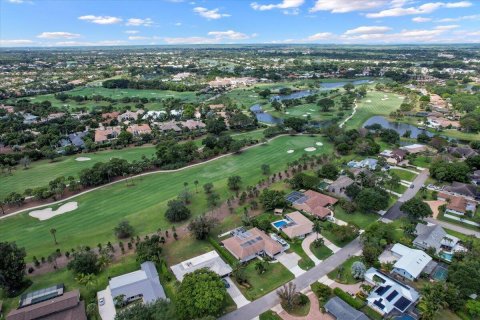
(343, 273)
(305, 263)
(144, 203)
(322, 252)
(43, 171)
(362, 220)
(270, 315)
(400, 188)
(377, 106)
(261, 284)
(404, 175)
(422, 161)
(331, 236)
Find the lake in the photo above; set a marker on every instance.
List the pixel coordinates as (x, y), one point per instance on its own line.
(399, 127)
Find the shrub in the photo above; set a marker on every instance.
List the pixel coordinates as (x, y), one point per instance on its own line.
(322, 291)
(348, 298)
(123, 230)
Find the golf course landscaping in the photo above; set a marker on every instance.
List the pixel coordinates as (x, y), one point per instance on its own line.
(144, 201)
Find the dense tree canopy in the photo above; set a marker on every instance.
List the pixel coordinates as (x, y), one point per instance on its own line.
(416, 209)
(12, 267)
(177, 211)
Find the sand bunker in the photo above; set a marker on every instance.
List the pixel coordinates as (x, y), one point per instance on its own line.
(319, 144)
(384, 99)
(310, 149)
(287, 112)
(400, 97)
(290, 151)
(48, 213)
(368, 101)
(305, 115)
(82, 159)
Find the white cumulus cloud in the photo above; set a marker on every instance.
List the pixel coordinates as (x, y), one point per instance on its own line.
(368, 30)
(212, 14)
(422, 9)
(58, 35)
(101, 19)
(285, 4)
(15, 42)
(230, 34)
(421, 19)
(342, 6)
(139, 22)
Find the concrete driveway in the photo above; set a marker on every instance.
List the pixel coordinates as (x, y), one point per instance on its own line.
(107, 311)
(236, 294)
(290, 261)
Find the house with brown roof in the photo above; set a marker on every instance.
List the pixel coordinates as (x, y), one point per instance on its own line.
(315, 203)
(139, 129)
(339, 186)
(130, 115)
(168, 126)
(246, 245)
(57, 305)
(193, 124)
(457, 204)
(103, 134)
(110, 115)
(298, 226)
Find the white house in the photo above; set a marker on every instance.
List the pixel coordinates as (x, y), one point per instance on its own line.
(210, 260)
(411, 262)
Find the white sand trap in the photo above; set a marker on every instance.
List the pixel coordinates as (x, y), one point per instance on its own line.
(82, 159)
(384, 99)
(311, 109)
(48, 213)
(310, 149)
(319, 144)
(290, 151)
(385, 96)
(368, 101)
(309, 113)
(305, 115)
(287, 112)
(400, 97)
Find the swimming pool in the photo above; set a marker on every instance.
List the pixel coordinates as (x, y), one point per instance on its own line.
(404, 317)
(440, 274)
(447, 256)
(279, 224)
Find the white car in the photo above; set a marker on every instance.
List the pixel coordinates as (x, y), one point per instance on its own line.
(101, 301)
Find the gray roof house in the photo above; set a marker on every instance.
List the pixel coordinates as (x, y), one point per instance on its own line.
(467, 190)
(338, 186)
(342, 310)
(210, 260)
(143, 284)
(429, 236)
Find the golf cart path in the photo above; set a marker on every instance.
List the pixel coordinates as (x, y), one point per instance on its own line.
(350, 116)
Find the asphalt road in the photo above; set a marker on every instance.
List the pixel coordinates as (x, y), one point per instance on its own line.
(394, 212)
(271, 299)
(454, 227)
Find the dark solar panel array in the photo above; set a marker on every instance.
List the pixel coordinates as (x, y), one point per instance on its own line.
(379, 304)
(296, 196)
(402, 303)
(381, 290)
(250, 242)
(392, 295)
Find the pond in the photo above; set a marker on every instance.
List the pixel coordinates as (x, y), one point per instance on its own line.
(337, 85)
(399, 127)
(264, 116)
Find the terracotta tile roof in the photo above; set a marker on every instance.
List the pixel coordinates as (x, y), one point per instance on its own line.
(104, 134)
(137, 129)
(251, 242)
(110, 115)
(316, 204)
(455, 203)
(300, 227)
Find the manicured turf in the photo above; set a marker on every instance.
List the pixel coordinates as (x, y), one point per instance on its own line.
(321, 252)
(404, 175)
(261, 284)
(377, 106)
(305, 262)
(343, 274)
(144, 203)
(43, 171)
(270, 315)
(361, 220)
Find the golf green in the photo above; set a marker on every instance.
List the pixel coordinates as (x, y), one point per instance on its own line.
(144, 203)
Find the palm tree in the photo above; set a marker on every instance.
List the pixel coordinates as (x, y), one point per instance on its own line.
(261, 266)
(196, 185)
(185, 184)
(317, 228)
(287, 294)
(53, 232)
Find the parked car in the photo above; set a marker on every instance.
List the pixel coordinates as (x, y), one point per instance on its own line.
(412, 186)
(225, 282)
(101, 301)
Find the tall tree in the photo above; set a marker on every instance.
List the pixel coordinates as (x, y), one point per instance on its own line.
(12, 267)
(53, 232)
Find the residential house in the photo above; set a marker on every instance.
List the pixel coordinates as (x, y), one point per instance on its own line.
(365, 163)
(103, 134)
(29, 118)
(463, 189)
(168, 126)
(74, 139)
(50, 303)
(389, 296)
(341, 310)
(476, 177)
(415, 148)
(298, 225)
(441, 122)
(110, 115)
(210, 260)
(139, 129)
(193, 124)
(142, 284)
(8, 109)
(463, 152)
(130, 115)
(394, 157)
(456, 204)
(245, 245)
(315, 203)
(409, 263)
(339, 186)
(434, 236)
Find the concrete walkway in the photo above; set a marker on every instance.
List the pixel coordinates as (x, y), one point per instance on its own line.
(290, 261)
(350, 288)
(236, 294)
(306, 247)
(315, 312)
(107, 311)
(405, 169)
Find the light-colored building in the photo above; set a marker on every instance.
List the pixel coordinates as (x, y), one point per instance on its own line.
(434, 236)
(457, 204)
(410, 263)
(210, 260)
(314, 203)
(298, 225)
(246, 245)
(341, 310)
(415, 148)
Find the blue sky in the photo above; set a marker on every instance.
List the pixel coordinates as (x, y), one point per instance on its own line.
(129, 22)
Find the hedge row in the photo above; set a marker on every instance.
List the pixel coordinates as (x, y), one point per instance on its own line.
(227, 256)
(348, 298)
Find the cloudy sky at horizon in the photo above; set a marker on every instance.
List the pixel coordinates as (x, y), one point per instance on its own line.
(155, 22)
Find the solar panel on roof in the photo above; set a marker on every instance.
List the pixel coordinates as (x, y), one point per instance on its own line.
(381, 290)
(402, 304)
(379, 304)
(392, 295)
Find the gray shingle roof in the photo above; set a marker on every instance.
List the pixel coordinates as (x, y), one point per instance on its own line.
(343, 311)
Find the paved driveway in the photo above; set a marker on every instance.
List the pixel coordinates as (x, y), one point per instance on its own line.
(107, 311)
(271, 299)
(290, 261)
(236, 294)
